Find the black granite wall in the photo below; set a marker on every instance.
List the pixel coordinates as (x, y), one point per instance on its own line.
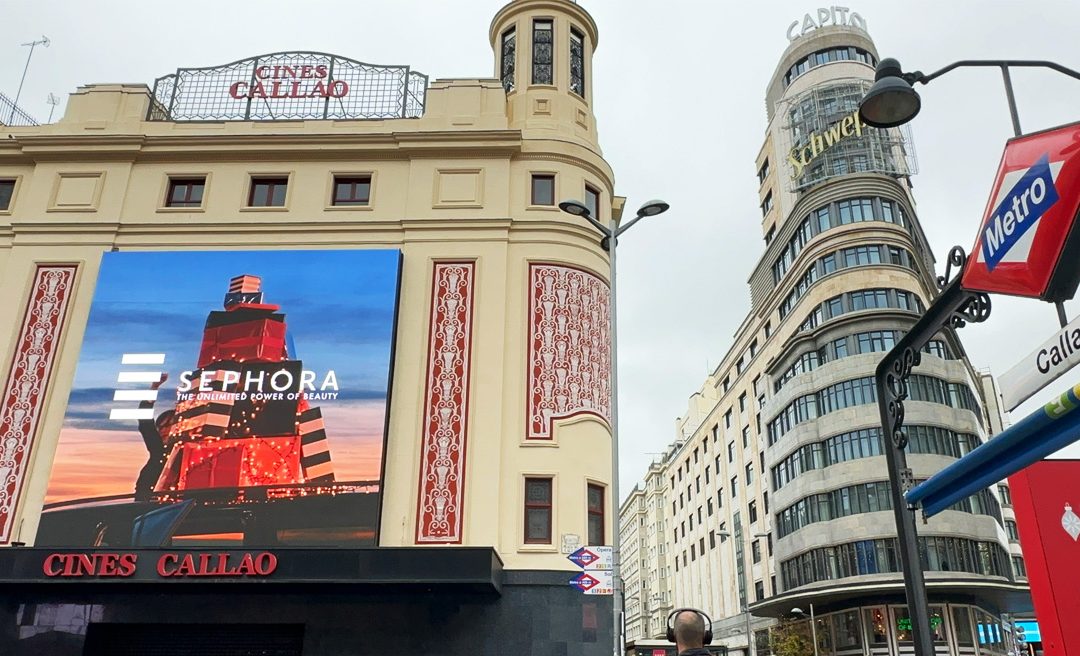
(537, 613)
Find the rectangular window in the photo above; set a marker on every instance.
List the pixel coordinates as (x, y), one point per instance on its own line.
(268, 192)
(543, 189)
(577, 62)
(731, 452)
(766, 204)
(759, 589)
(742, 402)
(763, 172)
(352, 190)
(1018, 567)
(727, 415)
(537, 511)
(734, 486)
(746, 437)
(755, 552)
(596, 514)
(1005, 495)
(543, 50)
(509, 55)
(592, 202)
(752, 509)
(7, 190)
(1010, 530)
(183, 192)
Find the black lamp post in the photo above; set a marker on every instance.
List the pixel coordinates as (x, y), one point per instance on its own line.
(890, 102)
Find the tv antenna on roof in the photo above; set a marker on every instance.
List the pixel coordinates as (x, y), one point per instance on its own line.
(53, 100)
(43, 41)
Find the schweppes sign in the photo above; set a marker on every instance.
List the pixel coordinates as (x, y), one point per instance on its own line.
(800, 157)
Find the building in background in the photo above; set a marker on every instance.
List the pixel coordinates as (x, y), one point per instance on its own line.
(774, 495)
(301, 354)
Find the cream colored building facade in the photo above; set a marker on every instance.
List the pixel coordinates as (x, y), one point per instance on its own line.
(455, 189)
(775, 493)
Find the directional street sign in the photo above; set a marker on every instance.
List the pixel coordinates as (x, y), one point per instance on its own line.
(1027, 245)
(1043, 366)
(598, 582)
(592, 558)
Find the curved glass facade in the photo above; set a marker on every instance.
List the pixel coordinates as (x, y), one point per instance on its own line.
(880, 556)
(861, 391)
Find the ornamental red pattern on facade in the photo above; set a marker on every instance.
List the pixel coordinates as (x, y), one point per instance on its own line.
(442, 463)
(24, 392)
(569, 347)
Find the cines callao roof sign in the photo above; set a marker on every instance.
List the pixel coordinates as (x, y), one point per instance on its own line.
(1027, 244)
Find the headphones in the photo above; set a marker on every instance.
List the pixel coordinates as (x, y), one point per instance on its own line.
(671, 627)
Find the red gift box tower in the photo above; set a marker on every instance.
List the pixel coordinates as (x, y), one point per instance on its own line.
(245, 422)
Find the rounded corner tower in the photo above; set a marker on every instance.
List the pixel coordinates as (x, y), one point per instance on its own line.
(543, 57)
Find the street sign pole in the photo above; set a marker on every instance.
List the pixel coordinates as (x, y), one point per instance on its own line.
(953, 308)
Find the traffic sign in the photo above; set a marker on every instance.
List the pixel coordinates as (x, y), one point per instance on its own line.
(592, 557)
(1043, 366)
(598, 582)
(1027, 244)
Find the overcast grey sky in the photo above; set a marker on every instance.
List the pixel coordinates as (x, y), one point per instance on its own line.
(679, 98)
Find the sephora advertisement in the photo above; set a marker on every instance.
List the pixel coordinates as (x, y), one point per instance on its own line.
(228, 398)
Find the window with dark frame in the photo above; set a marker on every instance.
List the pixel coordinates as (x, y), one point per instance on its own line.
(268, 192)
(592, 202)
(538, 511)
(7, 191)
(183, 192)
(577, 62)
(352, 190)
(543, 189)
(542, 50)
(596, 515)
(509, 52)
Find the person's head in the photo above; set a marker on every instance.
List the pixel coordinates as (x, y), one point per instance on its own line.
(689, 630)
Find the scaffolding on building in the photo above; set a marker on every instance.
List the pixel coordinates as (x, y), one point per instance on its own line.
(814, 125)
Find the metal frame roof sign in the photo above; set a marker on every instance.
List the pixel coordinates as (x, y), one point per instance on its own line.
(1027, 243)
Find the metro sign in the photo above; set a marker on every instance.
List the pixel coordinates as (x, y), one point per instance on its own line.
(1026, 244)
(598, 582)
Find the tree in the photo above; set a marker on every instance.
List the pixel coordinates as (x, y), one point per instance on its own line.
(791, 638)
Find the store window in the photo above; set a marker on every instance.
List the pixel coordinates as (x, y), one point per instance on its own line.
(352, 190)
(543, 50)
(877, 628)
(183, 192)
(848, 631)
(961, 624)
(268, 192)
(543, 189)
(538, 510)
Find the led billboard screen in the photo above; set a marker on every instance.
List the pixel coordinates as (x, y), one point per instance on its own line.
(228, 398)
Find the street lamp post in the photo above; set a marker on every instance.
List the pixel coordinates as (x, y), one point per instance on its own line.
(746, 589)
(609, 242)
(813, 624)
(890, 102)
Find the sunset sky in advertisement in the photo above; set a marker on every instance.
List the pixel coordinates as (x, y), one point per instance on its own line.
(339, 310)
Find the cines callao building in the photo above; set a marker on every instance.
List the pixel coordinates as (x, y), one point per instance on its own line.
(300, 356)
(774, 496)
